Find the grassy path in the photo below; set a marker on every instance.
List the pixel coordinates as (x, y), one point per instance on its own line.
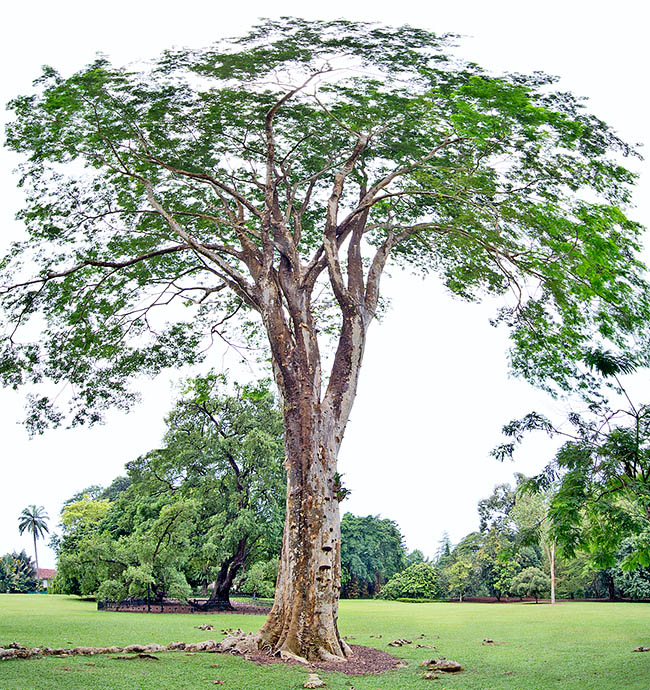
(573, 646)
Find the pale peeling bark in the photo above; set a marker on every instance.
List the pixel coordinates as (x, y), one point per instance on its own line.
(303, 621)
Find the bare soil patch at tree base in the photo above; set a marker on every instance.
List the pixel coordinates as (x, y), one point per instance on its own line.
(362, 661)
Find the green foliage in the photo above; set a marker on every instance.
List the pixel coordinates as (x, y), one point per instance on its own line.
(372, 551)
(600, 476)
(459, 576)
(531, 581)
(494, 511)
(260, 579)
(34, 521)
(205, 504)
(82, 514)
(420, 580)
(149, 188)
(17, 573)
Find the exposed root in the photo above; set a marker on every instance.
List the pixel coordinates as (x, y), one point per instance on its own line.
(17, 651)
(325, 655)
(286, 655)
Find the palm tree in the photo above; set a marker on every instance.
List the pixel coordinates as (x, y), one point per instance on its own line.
(34, 520)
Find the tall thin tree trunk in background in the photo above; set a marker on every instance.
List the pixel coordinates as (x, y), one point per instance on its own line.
(552, 562)
(38, 576)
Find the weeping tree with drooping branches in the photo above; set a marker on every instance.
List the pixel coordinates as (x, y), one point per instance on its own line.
(259, 188)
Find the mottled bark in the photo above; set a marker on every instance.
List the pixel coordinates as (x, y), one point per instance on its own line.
(303, 621)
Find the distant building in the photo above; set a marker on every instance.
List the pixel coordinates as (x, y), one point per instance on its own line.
(46, 575)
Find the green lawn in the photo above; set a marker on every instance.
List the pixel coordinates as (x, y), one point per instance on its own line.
(572, 645)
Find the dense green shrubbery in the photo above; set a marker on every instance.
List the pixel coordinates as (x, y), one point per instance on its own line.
(17, 573)
(420, 580)
(372, 551)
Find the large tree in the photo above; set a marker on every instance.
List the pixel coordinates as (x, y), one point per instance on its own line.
(212, 495)
(269, 180)
(224, 453)
(372, 551)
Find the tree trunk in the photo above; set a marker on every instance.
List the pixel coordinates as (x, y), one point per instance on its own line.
(38, 577)
(302, 624)
(303, 621)
(220, 595)
(552, 562)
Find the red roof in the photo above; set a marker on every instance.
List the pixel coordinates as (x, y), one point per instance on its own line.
(46, 573)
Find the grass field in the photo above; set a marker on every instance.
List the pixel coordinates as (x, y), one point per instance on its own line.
(578, 646)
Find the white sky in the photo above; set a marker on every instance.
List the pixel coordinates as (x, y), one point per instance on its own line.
(434, 390)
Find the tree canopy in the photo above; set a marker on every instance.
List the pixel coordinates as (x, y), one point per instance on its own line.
(203, 170)
(372, 551)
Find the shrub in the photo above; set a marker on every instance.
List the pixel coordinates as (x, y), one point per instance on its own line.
(531, 581)
(418, 581)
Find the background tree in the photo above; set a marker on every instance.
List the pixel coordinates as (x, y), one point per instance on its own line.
(459, 576)
(259, 580)
(530, 515)
(600, 477)
(273, 177)
(34, 520)
(531, 581)
(211, 498)
(225, 453)
(81, 521)
(372, 551)
(630, 583)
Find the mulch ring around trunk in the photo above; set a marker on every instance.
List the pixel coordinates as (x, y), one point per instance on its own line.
(362, 661)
